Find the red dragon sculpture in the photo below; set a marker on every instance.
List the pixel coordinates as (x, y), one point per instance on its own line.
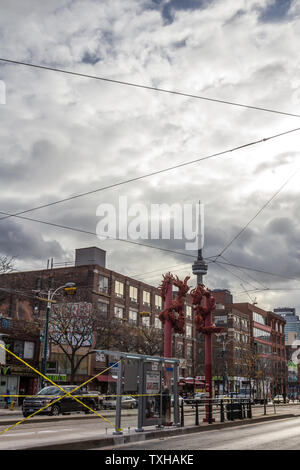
(202, 309)
(174, 313)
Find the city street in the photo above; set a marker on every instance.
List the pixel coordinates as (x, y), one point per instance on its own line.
(278, 435)
(52, 430)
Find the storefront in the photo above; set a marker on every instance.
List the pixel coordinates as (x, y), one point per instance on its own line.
(18, 381)
(106, 384)
(191, 385)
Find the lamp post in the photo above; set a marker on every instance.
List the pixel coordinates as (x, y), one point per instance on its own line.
(51, 294)
(224, 351)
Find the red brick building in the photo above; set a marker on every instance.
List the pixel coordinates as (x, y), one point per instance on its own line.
(110, 295)
(264, 334)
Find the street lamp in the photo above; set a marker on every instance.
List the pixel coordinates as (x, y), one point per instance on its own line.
(221, 338)
(69, 289)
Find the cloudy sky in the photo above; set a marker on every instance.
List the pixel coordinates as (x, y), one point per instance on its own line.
(63, 135)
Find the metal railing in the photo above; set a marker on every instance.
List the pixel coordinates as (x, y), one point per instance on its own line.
(231, 409)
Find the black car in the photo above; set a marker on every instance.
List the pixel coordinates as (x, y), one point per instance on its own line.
(48, 395)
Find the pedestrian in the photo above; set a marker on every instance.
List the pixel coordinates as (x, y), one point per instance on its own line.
(7, 399)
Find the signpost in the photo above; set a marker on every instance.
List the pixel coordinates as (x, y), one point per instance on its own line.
(144, 375)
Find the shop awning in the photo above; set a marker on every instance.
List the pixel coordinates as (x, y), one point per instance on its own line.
(106, 378)
(193, 381)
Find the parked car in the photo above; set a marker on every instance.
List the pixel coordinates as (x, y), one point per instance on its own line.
(126, 402)
(50, 394)
(280, 399)
(180, 400)
(196, 397)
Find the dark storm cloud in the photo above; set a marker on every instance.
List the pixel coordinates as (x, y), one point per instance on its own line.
(26, 242)
(275, 12)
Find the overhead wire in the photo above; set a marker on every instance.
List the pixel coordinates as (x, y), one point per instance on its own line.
(146, 87)
(153, 173)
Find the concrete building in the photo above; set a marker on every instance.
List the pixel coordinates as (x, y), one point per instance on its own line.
(292, 320)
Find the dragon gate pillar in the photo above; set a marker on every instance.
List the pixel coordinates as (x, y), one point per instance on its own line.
(173, 319)
(204, 304)
(168, 324)
(208, 370)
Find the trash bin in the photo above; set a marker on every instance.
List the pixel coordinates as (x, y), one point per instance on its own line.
(234, 411)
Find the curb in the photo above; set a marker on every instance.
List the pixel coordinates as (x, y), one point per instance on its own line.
(103, 442)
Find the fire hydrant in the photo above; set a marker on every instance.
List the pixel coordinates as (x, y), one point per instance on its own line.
(12, 404)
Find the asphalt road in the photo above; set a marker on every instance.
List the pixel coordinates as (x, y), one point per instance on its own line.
(283, 434)
(80, 426)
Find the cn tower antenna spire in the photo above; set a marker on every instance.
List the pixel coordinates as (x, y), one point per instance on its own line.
(200, 267)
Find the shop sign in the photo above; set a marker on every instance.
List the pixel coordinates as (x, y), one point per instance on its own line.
(58, 377)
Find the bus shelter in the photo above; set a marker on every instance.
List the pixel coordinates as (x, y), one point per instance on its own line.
(144, 377)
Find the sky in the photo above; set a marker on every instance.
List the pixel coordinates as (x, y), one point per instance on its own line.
(63, 135)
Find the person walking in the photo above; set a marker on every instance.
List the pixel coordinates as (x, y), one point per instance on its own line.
(7, 399)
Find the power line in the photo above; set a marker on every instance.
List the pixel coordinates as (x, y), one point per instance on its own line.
(257, 270)
(157, 172)
(247, 274)
(257, 214)
(147, 87)
(209, 259)
(87, 232)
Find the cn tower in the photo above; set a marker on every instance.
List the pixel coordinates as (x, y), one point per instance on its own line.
(200, 267)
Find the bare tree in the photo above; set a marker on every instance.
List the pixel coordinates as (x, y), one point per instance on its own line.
(117, 334)
(7, 264)
(71, 328)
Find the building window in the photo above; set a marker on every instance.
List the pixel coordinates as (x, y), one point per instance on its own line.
(28, 350)
(146, 297)
(189, 353)
(103, 309)
(5, 323)
(119, 289)
(258, 318)
(133, 317)
(188, 331)
(133, 293)
(19, 348)
(189, 312)
(179, 350)
(103, 284)
(158, 301)
(119, 311)
(261, 334)
(146, 322)
(157, 323)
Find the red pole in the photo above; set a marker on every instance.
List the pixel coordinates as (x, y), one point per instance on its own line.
(168, 324)
(208, 371)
